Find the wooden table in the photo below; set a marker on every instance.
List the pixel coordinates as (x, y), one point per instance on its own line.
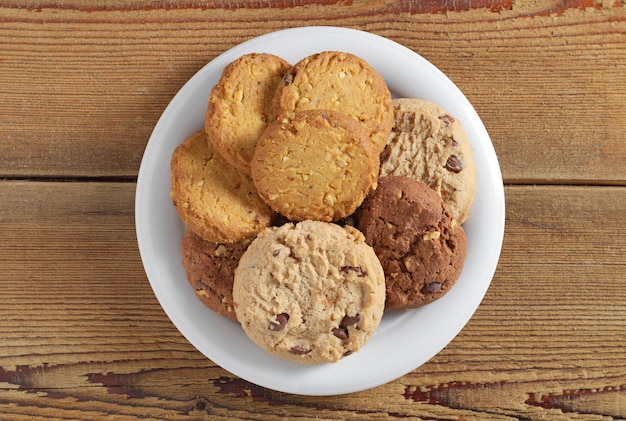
(82, 84)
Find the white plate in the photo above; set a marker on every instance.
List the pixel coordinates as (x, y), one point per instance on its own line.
(404, 340)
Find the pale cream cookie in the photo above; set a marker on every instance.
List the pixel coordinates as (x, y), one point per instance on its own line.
(311, 293)
(428, 144)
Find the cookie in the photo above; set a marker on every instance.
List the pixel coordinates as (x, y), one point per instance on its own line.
(420, 245)
(314, 165)
(214, 199)
(240, 105)
(311, 292)
(428, 144)
(341, 82)
(210, 269)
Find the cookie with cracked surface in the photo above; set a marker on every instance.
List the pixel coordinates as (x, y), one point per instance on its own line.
(213, 198)
(314, 165)
(341, 82)
(210, 269)
(428, 144)
(311, 292)
(240, 105)
(420, 245)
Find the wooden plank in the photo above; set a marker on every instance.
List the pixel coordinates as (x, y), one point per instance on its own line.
(82, 87)
(83, 337)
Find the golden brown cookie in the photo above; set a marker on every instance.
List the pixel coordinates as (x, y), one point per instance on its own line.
(240, 105)
(313, 292)
(341, 82)
(214, 199)
(429, 145)
(315, 165)
(420, 245)
(210, 269)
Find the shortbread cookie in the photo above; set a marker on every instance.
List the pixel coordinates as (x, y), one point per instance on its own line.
(428, 144)
(210, 269)
(310, 293)
(315, 165)
(341, 82)
(213, 198)
(420, 245)
(240, 105)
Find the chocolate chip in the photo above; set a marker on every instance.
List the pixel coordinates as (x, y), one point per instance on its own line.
(349, 320)
(340, 332)
(447, 119)
(360, 272)
(279, 324)
(385, 155)
(299, 350)
(288, 79)
(276, 252)
(350, 352)
(432, 287)
(295, 258)
(454, 164)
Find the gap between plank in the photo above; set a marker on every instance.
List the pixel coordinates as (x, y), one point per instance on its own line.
(133, 179)
(74, 179)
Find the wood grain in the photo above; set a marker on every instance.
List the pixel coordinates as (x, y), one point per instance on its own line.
(83, 336)
(83, 85)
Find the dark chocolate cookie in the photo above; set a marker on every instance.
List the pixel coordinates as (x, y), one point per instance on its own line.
(210, 270)
(420, 245)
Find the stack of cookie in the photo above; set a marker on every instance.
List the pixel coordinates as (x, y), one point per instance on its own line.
(314, 202)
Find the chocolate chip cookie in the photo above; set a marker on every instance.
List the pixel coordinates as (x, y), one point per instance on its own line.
(341, 82)
(311, 293)
(240, 105)
(214, 199)
(420, 245)
(428, 144)
(210, 269)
